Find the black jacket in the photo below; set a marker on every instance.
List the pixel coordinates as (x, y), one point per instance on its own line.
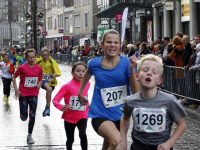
(187, 52)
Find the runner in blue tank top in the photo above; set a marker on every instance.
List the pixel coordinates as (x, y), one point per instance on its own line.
(113, 76)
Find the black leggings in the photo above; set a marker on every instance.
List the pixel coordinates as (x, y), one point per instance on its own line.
(69, 129)
(23, 105)
(6, 86)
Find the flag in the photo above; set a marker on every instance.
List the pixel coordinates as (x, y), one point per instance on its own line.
(149, 31)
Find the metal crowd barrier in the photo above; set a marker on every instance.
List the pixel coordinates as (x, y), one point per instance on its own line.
(181, 82)
(176, 80)
(69, 59)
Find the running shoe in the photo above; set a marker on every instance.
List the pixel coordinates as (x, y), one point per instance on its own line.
(6, 98)
(30, 140)
(46, 112)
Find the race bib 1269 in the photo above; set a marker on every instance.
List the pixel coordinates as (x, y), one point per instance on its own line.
(149, 119)
(114, 96)
(74, 104)
(30, 81)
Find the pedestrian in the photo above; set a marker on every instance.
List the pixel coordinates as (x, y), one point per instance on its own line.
(19, 57)
(23, 60)
(7, 70)
(30, 83)
(50, 71)
(114, 74)
(74, 114)
(12, 58)
(153, 111)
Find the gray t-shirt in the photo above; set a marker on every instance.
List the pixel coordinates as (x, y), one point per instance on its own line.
(152, 107)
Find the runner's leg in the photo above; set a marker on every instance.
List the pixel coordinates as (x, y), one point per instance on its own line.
(69, 129)
(33, 106)
(48, 89)
(23, 106)
(110, 133)
(82, 125)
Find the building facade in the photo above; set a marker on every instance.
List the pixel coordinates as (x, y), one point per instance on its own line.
(139, 19)
(80, 22)
(173, 16)
(54, 23)
(9, 27)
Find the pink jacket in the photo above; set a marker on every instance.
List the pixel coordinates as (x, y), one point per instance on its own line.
(66, 91)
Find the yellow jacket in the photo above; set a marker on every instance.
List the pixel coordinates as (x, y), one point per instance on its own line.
(50, 66)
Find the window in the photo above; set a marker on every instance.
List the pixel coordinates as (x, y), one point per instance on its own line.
(66, 23)
(54, 3)
(86, 20)
(49, 4)
(77, 20)
(49, 19)
(69, 3)
(60, 21)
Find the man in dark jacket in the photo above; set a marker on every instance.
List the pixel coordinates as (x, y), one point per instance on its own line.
(187, 50)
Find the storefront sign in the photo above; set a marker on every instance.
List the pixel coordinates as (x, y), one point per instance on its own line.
(185, 10)
(118, 17)
(88, 35)
(65, 37)
(104, 22)
(60, 30)
(169, 5)
(148, 12)
(44, 33)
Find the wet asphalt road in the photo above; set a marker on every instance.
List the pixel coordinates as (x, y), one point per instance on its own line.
(49, 132)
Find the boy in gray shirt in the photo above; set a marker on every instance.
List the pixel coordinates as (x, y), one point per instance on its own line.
(153, 111)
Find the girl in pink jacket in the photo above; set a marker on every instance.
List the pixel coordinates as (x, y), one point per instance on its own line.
(74, 114)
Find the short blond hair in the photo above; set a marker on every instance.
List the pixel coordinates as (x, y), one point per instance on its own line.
(153, 58)
(44, 49)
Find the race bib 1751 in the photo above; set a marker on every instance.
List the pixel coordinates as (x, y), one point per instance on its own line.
(149, 119)
(114, 96)
(30, 81)
(74, 104)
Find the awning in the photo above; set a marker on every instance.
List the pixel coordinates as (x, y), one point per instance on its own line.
(118, 8)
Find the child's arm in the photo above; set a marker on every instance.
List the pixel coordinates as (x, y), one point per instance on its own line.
(11, 70)
(17, 92)
(56, 101)
(132, 79)
(84, 81)
(181, 126)
(124, 125)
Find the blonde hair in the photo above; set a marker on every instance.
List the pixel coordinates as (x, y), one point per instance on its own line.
(153, 58)
(44, 49)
